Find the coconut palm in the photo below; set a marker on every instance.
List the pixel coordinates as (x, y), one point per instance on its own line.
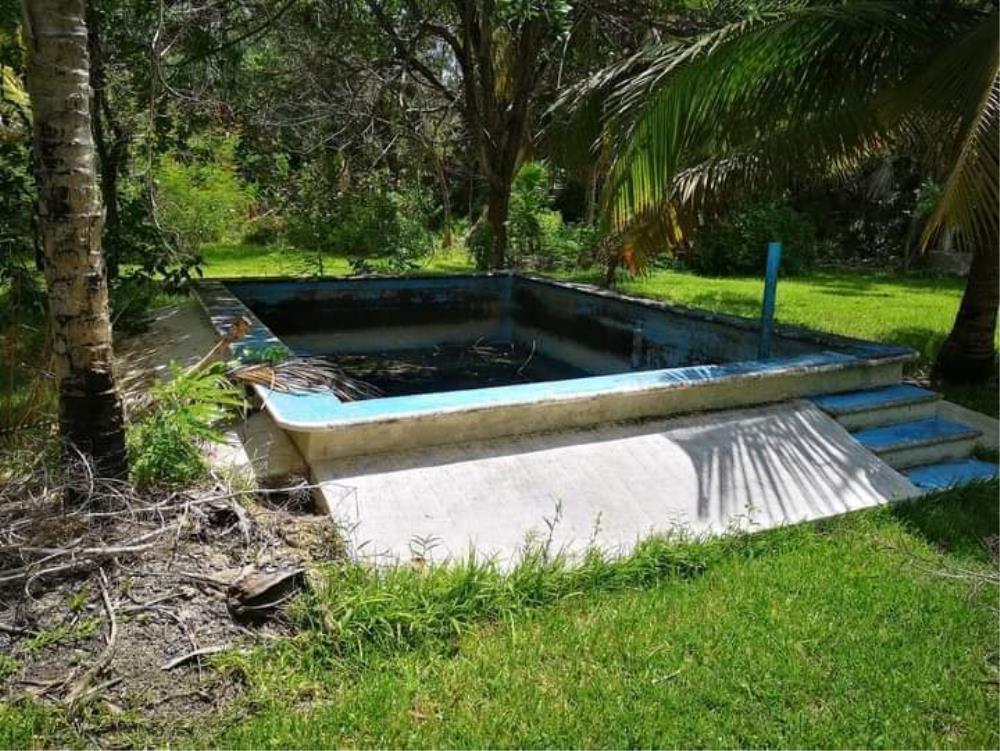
(813, 90)
(70, 223)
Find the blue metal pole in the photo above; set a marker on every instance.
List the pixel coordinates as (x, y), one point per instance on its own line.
(770, 290)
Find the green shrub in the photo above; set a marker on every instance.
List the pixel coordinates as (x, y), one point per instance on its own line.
(131, 298)
(266, 229)
(738, 244)
(537, 234)
(564, 244)
(379, 225)
(164, 445)
(201, 197)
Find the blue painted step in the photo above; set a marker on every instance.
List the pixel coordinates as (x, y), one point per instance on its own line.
(949, 474)
(897, 395)
(914, 434)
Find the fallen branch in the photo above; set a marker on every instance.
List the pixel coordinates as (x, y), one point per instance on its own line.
(83, 557)
(237, 330)
(177, 661)
(16, 630)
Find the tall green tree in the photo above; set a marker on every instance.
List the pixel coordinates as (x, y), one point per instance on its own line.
(813, 90)
(71, 220)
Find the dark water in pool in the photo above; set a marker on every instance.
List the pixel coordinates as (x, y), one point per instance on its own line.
(454, 367)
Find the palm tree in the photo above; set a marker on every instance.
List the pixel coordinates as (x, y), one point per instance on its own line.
(813, 90)
(70, 224)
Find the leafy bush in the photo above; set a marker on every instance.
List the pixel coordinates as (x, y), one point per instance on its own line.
(738, 245)
(201, 196)
(564, 244)
(164, 445)
(265, 229)
(378, 225)
(17, 193)
(538, 236)
(131, 298)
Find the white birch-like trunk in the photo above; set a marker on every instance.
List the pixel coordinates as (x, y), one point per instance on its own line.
(71, 222)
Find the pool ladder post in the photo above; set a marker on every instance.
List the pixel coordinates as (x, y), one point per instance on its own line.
(770, 290)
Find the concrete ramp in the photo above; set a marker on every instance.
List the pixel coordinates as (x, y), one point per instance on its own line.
(610, 486)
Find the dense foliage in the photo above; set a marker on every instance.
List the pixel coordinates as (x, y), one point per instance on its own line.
(737, 244)
(380, 225)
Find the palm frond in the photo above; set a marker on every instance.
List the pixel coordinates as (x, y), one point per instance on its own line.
(302, 375)
(815, 150)
(762, 99)
(968, 79)
(969, 200)
(11, 87)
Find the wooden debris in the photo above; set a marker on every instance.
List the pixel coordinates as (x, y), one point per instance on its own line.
(257, 595)
(215, 649)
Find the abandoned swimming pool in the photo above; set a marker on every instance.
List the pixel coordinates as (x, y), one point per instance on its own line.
(471, 357)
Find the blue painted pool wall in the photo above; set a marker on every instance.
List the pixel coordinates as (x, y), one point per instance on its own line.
(380, 314)
(640, 335)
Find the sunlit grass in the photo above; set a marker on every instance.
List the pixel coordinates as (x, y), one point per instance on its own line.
(916, 311)
(242, 259)
(875, 630)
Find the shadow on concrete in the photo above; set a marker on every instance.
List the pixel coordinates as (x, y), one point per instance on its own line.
(782, 466)
(706, 474)
(178, 332)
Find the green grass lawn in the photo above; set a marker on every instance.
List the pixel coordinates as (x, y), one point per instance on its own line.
(836, 635)
(239, 259)
(915, 311)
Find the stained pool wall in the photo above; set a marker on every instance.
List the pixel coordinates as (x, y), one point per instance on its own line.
(597, 331)
(357, 316)
(607, 330)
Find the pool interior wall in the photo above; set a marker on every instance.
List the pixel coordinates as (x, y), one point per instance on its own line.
(539, 331)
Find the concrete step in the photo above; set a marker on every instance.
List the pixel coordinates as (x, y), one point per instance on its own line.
(949, 474)
(928, 441)
(901, 402)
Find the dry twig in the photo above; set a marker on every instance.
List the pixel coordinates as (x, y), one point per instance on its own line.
(73, 697)
(171, 664)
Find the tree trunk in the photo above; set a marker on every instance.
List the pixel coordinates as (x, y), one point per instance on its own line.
(111, 142)
(497, 203)
(71, 222)
(445, 202)
(610, 269)
(969, 352)
(590, 210)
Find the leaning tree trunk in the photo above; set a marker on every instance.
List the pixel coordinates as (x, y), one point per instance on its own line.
(968, 353)
(71, 221)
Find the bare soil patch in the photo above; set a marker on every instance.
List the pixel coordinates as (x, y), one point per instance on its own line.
(113, 603)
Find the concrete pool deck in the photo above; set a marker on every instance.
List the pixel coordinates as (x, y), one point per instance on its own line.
(607, 487)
